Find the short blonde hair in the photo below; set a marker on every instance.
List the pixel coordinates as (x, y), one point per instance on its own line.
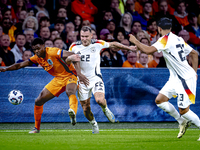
(35, 28)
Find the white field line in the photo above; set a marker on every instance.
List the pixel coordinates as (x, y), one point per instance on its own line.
(87, 130)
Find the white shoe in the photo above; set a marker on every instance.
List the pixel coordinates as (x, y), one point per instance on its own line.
(198, 139)
(35, 130)
(72, 116)
(183, 127)
(95, 128)
(109, 115)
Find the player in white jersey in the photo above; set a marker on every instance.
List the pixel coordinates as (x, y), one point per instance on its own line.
(90, 50)
(183, 77)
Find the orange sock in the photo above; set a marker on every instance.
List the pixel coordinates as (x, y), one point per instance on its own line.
(73, 103)
(38, 110)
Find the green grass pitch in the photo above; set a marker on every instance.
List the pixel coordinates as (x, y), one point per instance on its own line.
(108, 139)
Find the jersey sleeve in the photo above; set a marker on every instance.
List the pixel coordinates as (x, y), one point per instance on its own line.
(103, 44)
(71, 48)
(160, 45)
(55, 52)
(188, 48)
(33, 59)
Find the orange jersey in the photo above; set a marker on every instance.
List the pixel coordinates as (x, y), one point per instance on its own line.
(53, 63)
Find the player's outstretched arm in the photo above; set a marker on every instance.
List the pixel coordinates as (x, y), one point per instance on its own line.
(194, 59)
(70, 57)
(16, 66)
(81, 77)
(142, 47)
(121, 46)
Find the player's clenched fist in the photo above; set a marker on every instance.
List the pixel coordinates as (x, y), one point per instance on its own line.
(74, 57)
(2, 69)
(132, 38)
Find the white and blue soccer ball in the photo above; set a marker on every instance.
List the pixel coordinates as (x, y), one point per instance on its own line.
(15, 97)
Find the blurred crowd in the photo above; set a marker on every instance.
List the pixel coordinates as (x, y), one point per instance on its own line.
(58, 23)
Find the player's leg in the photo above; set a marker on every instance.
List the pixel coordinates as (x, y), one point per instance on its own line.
(185, 99)
(162, 102)
(100, 99)
(99, 95)
(84, 95)
(43, 97)
(89, 115)
(71, 89)
(190, 115)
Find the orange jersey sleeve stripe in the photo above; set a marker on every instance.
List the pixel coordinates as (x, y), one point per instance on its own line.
(163, 41)
(100, 42)
(70, 49)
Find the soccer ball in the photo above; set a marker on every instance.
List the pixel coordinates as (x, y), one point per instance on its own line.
(15, 97)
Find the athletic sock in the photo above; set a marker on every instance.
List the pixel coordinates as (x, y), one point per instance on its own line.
(104, 108)
(190, 115)
(38, 110)
(170, 109)
(92, 122)
(73, 103)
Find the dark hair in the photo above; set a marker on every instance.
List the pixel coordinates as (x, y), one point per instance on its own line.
(86, 28)
(135, 22)
(44, 18)
(191, 16)
(120, 29)
(58, 38)
(150, 22)
(19, 33)
(59, 21)
(165, 23)
(5, 10)
(37, 41)
(148, 1)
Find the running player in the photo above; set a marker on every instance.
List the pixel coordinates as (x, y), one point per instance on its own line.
(53, 60)
(90, 50)
(183, 77)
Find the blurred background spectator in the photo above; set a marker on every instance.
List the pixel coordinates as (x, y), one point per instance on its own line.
(59, 22)
(19, 48)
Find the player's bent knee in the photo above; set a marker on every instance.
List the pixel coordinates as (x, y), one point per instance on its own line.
(39, 102)
(157, 101)
(100, 101)
(86, 108)
(70, 92)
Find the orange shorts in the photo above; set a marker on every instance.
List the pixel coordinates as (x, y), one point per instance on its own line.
(58, 84)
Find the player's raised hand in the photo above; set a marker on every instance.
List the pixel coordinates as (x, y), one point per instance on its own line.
(74, 57)
(83, 80)
(2, 69)
(132, 38)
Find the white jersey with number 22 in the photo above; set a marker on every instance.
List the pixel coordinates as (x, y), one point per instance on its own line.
(90, 56)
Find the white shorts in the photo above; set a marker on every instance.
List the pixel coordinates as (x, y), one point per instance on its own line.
(184, 90)
(96, 85)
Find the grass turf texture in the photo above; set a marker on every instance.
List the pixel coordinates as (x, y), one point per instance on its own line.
(108, 139)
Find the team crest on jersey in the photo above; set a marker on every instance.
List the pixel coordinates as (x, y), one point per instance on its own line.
(92, 49)
(50, 62)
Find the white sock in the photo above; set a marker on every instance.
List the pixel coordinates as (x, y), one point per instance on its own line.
(170, 109)
(92, 122)
(190, 115)
(104, 109)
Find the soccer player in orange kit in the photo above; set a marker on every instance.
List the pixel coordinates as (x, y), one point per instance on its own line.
(56, 62)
